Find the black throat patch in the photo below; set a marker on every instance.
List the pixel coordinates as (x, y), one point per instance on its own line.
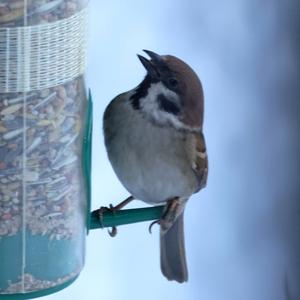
(140, 92)
(167, 105)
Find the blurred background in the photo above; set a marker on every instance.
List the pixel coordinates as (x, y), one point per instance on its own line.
(243, 231)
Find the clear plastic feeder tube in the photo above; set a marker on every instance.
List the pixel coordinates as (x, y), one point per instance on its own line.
(43, 106)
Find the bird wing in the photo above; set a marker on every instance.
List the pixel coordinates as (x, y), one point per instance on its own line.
(199, 159)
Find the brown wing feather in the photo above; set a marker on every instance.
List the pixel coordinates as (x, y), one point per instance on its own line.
(200, 161)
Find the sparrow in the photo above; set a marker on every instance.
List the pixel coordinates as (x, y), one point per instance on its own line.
(155, 143)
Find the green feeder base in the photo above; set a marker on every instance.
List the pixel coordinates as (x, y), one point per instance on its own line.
(39, 293)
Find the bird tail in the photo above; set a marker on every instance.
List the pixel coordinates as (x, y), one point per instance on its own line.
(172, 252)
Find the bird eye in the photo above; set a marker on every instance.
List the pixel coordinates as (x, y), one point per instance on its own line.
(173, 82)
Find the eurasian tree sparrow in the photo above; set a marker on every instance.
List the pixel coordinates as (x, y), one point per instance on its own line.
(154, 140)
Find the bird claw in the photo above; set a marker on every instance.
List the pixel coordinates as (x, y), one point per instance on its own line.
(113, 232)
(151, 225)
(171, 212)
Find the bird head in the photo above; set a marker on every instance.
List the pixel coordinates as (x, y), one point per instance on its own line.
(171, 93)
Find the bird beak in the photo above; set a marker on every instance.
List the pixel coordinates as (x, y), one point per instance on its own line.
(153, 66)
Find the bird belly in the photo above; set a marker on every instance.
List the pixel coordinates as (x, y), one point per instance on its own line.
(150, 161)
(153, 184)
(149, 177)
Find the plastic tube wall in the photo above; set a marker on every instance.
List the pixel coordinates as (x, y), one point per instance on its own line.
(42, 116)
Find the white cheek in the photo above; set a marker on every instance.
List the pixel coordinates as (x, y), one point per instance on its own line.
(149, 103)
(150, 106)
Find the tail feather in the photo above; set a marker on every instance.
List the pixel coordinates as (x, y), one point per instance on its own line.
(172, 252)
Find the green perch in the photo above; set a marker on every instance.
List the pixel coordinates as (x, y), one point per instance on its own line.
(125, 216)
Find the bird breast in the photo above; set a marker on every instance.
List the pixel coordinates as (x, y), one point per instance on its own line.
(151, 161)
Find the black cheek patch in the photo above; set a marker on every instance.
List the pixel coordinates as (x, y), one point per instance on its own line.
(167, 105)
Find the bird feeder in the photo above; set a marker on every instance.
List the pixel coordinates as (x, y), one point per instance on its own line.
(45, 148)
(43, 115)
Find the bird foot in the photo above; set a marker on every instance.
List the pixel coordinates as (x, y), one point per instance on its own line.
(113, 232)
(172, 210)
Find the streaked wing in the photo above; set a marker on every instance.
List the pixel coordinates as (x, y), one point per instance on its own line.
(200, 161)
